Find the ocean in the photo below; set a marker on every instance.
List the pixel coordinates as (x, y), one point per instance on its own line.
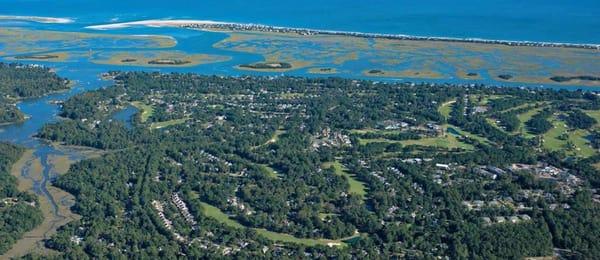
(532, 20)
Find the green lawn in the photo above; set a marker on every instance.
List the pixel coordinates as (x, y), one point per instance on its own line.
(448, 140)
(464, 133)
(268, 171)
(372, 130)
(159, 125)
(356, 186)
(517, 107)
(487, 98)
(596, 115)
(552, 141)
(274, 138)
(523, 118)
(276, 135)
(323, 216)
(376, 131)
(584, 149)
(492, 122)
(446, 108)
(146, 110)
(363, 141)
(216, 213)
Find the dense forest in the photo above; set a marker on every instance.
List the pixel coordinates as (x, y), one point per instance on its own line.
(317, 168)
(9, 113)
(18, 81)
(19, 211)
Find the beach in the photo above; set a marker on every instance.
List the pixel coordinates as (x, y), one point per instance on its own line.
(230, 26)
(37, 19)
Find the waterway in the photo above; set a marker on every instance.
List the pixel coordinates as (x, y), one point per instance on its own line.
(44, 161)
(535, 20)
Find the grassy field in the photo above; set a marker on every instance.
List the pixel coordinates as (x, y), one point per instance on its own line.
(269, 171)
(596, 115)
(323, 216)
(356, 186)
(523, 118)
(446, 108)
(363, 141)
(449, 141)
(274, 138)
(375, 131)
(216, 213)
(517, 107)
(464, 133)
(159, 125)
(146, 110)
(581, 147)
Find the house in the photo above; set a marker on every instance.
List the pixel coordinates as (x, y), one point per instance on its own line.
(442, 166)
(500, 219)
(495, 170)
(486, 220)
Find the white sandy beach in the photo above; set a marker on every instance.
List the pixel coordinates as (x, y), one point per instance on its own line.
(259, 27)
(151, 23)
(37, 19)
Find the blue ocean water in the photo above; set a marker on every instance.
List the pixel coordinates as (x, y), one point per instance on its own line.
(534, 20)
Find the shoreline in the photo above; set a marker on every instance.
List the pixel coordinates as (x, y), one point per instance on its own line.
(251, 27)
(37, 19)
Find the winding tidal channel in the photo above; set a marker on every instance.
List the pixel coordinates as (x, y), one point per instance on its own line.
(43, 162)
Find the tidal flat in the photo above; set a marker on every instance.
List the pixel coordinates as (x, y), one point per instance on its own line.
(299, 51)
(410, 73)
(323, 71)
(157, 58)
(48, 56)
(30, 174)
(344, 55)
(34, 173)
(20, 41)
(420, 59)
